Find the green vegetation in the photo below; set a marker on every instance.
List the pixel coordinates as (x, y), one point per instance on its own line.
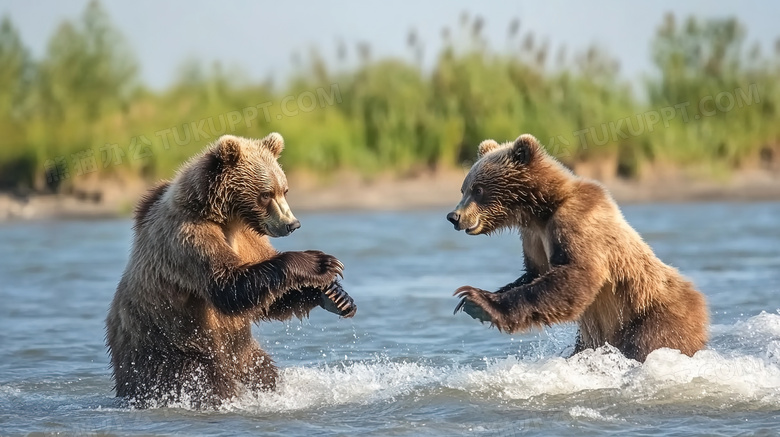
(82, 110)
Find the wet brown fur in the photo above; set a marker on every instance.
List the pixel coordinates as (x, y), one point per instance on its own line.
(202, 270)
(583, 261)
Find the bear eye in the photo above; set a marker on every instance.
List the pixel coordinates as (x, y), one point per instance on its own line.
(265, 197)
(286, 190)
(478, 192)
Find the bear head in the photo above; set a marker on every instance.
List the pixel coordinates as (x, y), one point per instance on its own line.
(246, 184)
(509, 183)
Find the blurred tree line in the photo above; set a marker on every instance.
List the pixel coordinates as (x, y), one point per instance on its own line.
(82, 109)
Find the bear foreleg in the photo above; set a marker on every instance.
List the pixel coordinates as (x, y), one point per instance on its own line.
(299, 303)
(560, 295)
(247, 287)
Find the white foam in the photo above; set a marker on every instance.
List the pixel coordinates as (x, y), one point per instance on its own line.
(359, 383)
(590, 413)
(515, 378)
(708, 373)
(710, 377)
(667, 376)
(764, 324)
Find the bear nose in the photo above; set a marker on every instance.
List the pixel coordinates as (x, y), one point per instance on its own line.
(453, 217)
(293, 226)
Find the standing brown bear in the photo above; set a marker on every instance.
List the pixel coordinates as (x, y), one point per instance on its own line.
(202, 271)
(583, 262)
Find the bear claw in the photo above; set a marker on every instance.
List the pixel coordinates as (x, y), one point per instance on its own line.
(337, 301)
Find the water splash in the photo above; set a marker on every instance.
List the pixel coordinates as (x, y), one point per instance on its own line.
(713, 377)
(709, 377)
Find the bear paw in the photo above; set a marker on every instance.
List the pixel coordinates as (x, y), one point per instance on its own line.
(480, 305)
(315, 268)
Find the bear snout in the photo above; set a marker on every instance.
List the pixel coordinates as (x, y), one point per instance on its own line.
(454, 218)
(293, 226)
(281, 228)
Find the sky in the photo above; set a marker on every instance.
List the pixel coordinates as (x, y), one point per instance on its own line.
(259, 37)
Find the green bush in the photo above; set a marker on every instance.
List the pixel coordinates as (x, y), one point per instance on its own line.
(83, 106)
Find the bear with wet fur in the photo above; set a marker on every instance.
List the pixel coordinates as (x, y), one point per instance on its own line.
(583, 262)
(202, 270)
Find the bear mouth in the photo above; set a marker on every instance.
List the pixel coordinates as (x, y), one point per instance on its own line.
(473, 229)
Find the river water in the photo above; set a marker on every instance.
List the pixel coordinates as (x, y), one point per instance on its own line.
(405, 365)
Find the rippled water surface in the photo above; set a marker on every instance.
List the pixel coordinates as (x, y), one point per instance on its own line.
(405, 365)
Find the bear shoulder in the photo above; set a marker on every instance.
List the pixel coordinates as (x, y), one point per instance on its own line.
(148, 200)
(586, 198)
(592, 192)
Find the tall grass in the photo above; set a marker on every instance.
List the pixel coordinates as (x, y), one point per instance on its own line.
(82, 109)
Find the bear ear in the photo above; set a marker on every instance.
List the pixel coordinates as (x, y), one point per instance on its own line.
(274, 142)
(229, 149)
(486, 147)
(524, 149)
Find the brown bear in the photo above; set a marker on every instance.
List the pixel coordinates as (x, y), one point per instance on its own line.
(583, 261)
(202, 270)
